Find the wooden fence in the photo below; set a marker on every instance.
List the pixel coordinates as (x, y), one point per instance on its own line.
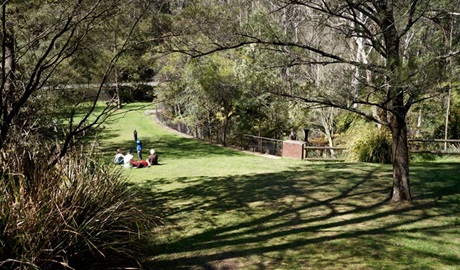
(324, 153)
(435, 146)
(261, 144)
(425, 146)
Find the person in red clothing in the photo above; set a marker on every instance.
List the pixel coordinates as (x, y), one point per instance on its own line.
(139, 164)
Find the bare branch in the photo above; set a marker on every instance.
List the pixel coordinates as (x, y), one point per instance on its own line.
(330, 103)
(82, 126)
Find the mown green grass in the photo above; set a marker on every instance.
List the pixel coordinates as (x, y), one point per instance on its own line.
(223, 209)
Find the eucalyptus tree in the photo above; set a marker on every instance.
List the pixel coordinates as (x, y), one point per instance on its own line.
(217, 79)
(136, 64)
(203, 94)
(390, 52)
(47, 48)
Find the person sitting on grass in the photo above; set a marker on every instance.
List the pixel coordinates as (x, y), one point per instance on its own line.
(127, 159)
(153, 158)
(119, 158)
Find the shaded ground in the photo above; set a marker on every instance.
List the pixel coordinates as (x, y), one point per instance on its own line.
(224, 210)
(327, 216)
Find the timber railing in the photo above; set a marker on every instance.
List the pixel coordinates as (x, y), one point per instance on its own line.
(243, 141)
(425, 146)
(435, 146)
(324, 153)
(167, 121)
(320, 153)
(261, 144)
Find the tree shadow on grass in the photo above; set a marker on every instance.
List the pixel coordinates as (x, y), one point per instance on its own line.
(311, 216)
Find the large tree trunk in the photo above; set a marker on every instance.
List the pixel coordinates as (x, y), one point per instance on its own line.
(224, 142)
(8, 112)
(398, 108)
(401, 178)
(117, 89)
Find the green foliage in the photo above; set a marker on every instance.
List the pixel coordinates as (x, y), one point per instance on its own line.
(231, 88)
(135, 93)
(78, 214)
(454, 124)
(348, 120)
(371, 145)
(423, 157)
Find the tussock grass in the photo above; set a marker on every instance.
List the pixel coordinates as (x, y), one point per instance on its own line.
(224, 209)
(76, 215)
(371, 145)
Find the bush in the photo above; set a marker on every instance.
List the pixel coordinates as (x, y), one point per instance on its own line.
(423, 157)
(372, 145)
(136, 93)
(74, 215)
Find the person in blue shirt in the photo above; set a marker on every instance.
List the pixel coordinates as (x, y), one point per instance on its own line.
(139, 149)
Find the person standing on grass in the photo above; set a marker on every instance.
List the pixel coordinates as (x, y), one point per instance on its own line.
(139, 149)
(135, 135)
(292, 135)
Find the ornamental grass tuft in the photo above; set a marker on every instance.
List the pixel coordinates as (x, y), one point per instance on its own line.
(372, 145)
(77, 214)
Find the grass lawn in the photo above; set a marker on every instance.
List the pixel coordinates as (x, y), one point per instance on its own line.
(223, 209)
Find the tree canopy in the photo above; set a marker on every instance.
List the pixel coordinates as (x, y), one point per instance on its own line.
(377, 59)
(52, 49)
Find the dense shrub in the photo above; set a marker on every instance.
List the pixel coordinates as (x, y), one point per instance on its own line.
(77, 214)
(136, 93)
(423, 157)
(371, 145)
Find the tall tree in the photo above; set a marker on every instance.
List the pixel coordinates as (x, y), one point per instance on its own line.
(386, 46)
(48, 44)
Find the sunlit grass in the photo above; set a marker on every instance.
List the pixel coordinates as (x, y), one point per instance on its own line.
(223, 209)
(179, 156)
